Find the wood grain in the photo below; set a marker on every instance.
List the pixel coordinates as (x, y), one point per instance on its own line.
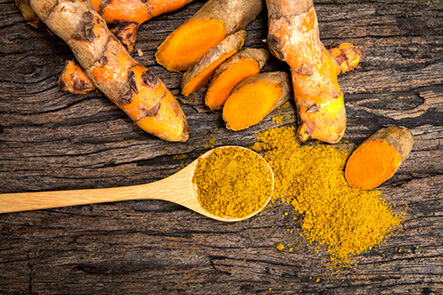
(51, 140)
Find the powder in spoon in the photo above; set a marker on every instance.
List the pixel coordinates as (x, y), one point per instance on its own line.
(232, 182)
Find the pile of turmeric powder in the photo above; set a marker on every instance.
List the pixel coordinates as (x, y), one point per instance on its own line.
(344, 219)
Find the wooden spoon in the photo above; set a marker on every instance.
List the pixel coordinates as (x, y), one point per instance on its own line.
(177, 188)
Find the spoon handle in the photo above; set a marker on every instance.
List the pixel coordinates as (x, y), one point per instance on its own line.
(51, 199)
(175, 188)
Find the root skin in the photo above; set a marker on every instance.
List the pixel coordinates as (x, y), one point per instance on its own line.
(293, 37)
(347, 56)
(74, 80)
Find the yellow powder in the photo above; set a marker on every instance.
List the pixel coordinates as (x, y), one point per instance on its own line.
(180, 157)
(280, 247)
(210, 143)
(232, 182)
(346, 220)
(279, 119)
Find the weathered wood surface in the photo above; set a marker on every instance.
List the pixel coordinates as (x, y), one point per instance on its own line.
(50, 140)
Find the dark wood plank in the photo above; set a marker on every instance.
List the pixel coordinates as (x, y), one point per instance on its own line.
(50, 140)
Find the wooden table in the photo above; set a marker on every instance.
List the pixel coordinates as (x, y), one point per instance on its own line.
(51, 140)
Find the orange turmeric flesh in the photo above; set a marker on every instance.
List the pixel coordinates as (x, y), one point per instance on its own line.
(221, 88)
(201, 72)
(250, 104)
(372, 165)
(202, 78)
(377, 158)
(188, 43)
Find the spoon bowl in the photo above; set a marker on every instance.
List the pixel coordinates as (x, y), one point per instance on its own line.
(177, 188)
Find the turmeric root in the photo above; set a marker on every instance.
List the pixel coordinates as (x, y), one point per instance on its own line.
(127, 15)
(293, 37)
(378, 157)
(124, 16)
(201, 72)
(74, 80)
(28, 13)
(243, 64)
(130, 85)
(347, 56)
(215, 20)
(254, 98)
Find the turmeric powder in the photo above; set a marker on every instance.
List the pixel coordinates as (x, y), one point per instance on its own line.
(345, 219)
(233, 182)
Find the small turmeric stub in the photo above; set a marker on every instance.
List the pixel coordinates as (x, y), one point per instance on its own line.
(233, 182)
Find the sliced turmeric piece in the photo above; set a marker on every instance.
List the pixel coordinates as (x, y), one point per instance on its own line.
(74, 80)
(377, 158)
(130, 85)
(245, 63)
(293, 37)
(254, 98)
(215, 20)
(180, 51)
(347, 56)
(201, 72)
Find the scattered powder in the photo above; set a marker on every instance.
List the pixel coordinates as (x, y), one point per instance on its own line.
(281, 118)
(180, 157)
(209, 144)
(346, 220)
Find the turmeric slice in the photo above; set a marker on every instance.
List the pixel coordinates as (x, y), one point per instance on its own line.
(74, 80)
(201, 72)
(254, 98)
(215, 20)
(243, 64)
(293, 37)
(377, 158)
(130, 85)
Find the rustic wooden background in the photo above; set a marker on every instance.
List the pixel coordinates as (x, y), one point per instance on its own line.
(51, 140)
